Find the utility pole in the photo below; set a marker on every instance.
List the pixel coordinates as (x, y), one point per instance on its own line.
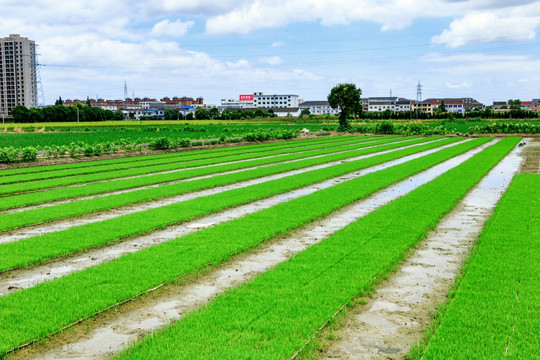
(77, 114)
(419, 92)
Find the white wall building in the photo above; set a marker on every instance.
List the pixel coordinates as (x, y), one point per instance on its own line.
(287, 112)
(319, 108)
(275, 101)
(394, 104)
(18, 84)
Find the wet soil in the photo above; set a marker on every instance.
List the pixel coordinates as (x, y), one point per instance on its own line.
(397, 314)
(113, 331)
(531, 153)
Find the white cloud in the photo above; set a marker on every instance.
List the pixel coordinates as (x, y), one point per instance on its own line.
(462, 85)
(95, 46)
(172, 29)
(272, 60)
(238, 64)
(248, 16)
(486, 27)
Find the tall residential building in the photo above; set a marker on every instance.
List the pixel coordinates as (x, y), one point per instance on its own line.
(18, 84)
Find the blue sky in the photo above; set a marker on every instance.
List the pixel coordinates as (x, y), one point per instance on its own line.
(486, 49)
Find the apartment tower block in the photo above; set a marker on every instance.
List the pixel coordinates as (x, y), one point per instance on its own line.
(18, 84)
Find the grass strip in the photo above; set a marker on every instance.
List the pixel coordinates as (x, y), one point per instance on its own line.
(252, 148)
(61, 211)
(276, 314)
(122, 184)
(37, 249)
(71, 180)
(181, 157)
(44, 309)
(494, 308)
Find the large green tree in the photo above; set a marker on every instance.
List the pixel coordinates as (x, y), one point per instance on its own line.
(514, 104)
(20, 114)
(202, 114)
(214, 113)
(347, 98)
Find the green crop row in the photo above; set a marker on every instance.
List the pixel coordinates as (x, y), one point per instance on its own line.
(44, 309)
(506, 128)
(493, 311)
(105, 187)
(247, 148)
(37, 249)
(39, 215)
(181, 157)
(80, 148)
(273, 316)
(110, 175)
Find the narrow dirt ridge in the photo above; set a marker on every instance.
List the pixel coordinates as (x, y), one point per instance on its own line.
(114, 331)
(399, 311)
(531, 153)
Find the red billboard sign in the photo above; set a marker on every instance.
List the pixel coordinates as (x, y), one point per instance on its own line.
(246, 97)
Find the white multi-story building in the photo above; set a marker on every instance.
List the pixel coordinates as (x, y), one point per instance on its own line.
(18, 84)
(382, 104)
(319, 108)
(275, 101)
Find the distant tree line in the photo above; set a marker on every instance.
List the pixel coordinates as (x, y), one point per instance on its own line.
(214, 114)
(488, 113)
(60, 113)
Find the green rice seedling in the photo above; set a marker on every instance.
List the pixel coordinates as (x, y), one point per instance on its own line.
(39, 248)
(276, 314)
(35, 216)
(216, 152)
(180, 157)
(44, 309)
(122, 184)
(81, 179)
(494, 309)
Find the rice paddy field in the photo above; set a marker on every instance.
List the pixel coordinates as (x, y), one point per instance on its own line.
(349, 247)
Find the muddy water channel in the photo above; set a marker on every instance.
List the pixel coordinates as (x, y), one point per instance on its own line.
(60, 225)
(396, 316)
(112, 332)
